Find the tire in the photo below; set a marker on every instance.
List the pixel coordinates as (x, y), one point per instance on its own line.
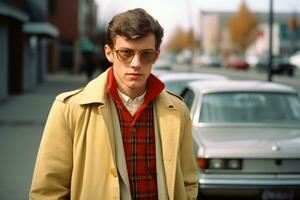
(291, 73)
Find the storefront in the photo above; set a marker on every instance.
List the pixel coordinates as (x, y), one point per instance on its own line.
(11, 48)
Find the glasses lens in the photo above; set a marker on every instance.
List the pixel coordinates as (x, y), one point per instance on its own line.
(147, 57)
(125, 55)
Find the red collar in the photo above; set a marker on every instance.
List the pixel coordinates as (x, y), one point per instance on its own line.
(154, 88)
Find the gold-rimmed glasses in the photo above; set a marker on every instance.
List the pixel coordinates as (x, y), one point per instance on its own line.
(146, 56)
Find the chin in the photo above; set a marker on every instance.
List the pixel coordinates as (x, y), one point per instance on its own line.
(136, 86)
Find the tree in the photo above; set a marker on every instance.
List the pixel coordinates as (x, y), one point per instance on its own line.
(180, 40)
(292, 22)
(242, 28)
(292, 25)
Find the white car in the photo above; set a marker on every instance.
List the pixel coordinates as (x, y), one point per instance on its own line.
(175, 82)
(211, 60)
(246, 137)
(295, 59)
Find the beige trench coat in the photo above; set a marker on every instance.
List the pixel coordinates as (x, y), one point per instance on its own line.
(76, 158)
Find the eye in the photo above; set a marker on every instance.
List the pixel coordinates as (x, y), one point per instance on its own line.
(149, 56)
(126, 53)
(148, 53)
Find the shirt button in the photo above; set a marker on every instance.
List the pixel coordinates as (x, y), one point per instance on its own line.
(113, 172)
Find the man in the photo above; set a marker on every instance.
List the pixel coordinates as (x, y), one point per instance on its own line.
(122, 136)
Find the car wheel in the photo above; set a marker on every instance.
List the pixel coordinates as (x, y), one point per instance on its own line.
(291, 73)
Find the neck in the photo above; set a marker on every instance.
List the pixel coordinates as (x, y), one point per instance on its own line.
(132, 93)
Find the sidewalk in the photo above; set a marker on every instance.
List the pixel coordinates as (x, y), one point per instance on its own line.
(33, 106)
(22, 120)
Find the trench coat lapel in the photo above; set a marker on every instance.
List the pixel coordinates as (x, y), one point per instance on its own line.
(169, 128)
(106, 113)
(95, 93)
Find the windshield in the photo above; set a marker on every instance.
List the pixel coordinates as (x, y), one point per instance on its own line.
(176, 86)
(253, 107)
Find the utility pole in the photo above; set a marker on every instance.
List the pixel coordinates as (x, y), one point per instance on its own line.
(191, 34)
(270, 71)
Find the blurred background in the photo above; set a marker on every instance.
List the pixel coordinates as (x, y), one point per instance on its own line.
(49, 46)
(50, 36)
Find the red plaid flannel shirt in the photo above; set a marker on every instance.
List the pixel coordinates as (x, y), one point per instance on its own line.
(139, 140)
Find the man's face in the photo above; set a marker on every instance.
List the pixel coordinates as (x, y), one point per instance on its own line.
(132, 72)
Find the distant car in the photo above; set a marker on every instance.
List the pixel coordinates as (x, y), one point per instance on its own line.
(210, 60)
(175, 82)
(280, 65)
(184, 57)
(246, 137)
(236, 62)
(252, 59)
(295, 59)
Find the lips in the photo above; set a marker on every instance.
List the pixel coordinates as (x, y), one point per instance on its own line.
(134, 74)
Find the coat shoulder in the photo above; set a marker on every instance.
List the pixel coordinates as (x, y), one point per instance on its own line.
(176, 101)
(175, 95)
(65, 95)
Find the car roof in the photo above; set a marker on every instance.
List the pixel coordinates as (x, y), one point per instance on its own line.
(190, 76)
(159, 72)
(240, 85)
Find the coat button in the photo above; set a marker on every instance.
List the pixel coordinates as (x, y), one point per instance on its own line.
(113, 172)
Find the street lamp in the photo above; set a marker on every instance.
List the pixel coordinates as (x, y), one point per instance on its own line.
(190, 34)
(270, 41)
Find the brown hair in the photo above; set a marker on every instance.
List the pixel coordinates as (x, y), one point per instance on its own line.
(134, 24)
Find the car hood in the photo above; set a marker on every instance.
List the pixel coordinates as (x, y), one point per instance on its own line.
(247, 142)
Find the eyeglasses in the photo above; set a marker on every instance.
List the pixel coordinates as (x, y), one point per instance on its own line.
(146, 56)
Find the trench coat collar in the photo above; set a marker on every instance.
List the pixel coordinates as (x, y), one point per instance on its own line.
(95, 91)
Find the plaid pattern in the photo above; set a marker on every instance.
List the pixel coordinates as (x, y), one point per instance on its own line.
(139, 147)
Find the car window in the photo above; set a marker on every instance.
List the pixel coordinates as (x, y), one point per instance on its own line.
(250, 107)
(188, 97)
(295, 106)
(176, 86)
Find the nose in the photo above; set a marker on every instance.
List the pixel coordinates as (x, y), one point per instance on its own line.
(136, 61)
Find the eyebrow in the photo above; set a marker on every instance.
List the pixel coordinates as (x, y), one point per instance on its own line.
(125, 48)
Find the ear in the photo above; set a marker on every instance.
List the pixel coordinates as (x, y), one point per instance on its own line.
(158, 52)
(109, 53)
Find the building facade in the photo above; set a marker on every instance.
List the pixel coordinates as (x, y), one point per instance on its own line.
(285, 39)
(24, 32)
(77, 27)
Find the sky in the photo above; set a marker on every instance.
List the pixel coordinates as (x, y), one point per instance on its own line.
(184, 12)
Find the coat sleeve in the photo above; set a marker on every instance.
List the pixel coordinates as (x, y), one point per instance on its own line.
(187, 159)
(53, 168)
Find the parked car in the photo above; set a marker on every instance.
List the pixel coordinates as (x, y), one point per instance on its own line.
(210, 60)
(280, 65)
(184, 57)
(246, 137)
(295, 59)
(237, 62)
(252, 59)
(159, 72)
(175, 82)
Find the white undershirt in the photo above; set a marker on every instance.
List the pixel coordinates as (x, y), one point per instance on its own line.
(132, 104)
